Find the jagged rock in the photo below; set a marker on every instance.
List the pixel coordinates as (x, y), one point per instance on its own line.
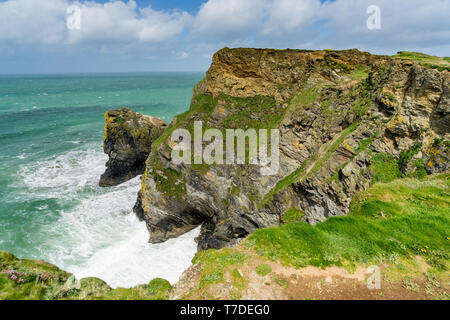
(334, 110)
(127, 141)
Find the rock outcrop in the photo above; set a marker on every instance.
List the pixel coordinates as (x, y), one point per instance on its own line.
(338, 112)
(127, 141)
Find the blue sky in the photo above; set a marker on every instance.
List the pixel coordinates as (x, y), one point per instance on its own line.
(177, 35)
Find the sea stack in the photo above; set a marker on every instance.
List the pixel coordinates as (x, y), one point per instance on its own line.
(127, 141)
(339, 114)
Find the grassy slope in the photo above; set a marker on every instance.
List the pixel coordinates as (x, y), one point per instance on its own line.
(400, 218)
(425, 60)
(38, 280)
(393, 222)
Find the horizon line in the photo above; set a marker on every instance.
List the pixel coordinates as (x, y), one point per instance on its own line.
(95, 72)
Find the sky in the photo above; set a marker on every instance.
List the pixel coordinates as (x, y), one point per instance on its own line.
(182, 35)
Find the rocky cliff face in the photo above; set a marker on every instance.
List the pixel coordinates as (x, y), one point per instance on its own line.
(340, 113)
(127, 141)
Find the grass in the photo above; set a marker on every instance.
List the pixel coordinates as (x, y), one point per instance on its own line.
(258, 112)
(385, 168)
(157, 289)
(170, 182)
(391, 223)
(213, 264)
(425, 60)
(366, 142)
(281, 282)
(399, 218)
(305, 98)
(359, 74)
(302, 100)
(292, 215)
(37, 280)
(441, 142)
(263, 269)
(407, 155)
(238, 284)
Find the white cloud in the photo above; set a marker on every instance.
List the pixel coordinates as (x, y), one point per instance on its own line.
(405, 24)
(158, 26)
(225, 18)
(281, 23)
(32, 21)
(123, 29)
(125, 22)
(288, 16)
(44, 22)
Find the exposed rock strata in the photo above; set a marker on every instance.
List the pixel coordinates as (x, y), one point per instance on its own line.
(335, 111)
(127, 141)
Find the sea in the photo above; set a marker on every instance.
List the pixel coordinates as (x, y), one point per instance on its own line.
(51, 159)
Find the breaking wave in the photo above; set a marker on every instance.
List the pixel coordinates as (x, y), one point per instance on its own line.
(95, 233)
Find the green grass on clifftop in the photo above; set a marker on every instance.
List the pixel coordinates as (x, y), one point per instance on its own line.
(399, 219)
(396, 223)
(214, 262)
(425, 60)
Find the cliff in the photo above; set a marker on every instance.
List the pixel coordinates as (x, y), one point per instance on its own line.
(364, 142)
(401, 227)
(341, 115)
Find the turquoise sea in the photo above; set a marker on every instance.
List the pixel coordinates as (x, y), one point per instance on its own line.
(51, 208)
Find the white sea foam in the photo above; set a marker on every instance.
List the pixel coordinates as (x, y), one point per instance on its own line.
(64, 175)
(99, 236)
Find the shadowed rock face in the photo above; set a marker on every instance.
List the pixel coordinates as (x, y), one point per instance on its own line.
(336, 110)
(127, 141)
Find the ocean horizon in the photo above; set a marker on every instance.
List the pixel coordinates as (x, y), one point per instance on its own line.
(106, 73)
